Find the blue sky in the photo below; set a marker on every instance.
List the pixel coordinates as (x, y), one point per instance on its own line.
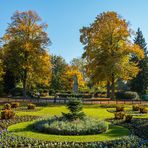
(66, 17)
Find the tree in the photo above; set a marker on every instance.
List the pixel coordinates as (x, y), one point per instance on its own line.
(41, 75)
(140, 82)
(108, 50)
(9, 81)
(81, 64)
(63, 74)
(69, 79)
(2, 73)
(75, 107)
(1, 70)
(59, 68)
(24, 47)
(9, 78)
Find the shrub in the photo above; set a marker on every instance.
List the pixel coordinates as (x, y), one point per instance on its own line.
(108, 105)
(136, 107)
(75, 107)
(143, 110)
(119, 108)
(73, 95)
(7, 106)
(128, 95)
(73, 116)
(43, 92)
(145, 97)
(15, 104)
(31, 106)
(60, 126)
(16, 91)
(119, 115)
(7, 114)
(128, 118)
(52, 92)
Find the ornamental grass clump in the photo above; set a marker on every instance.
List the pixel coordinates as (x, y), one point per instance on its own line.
(7, 106)
(119, 115)
(15, 104)
(128, 118)
(119, 108)
(136, 107)
(31, 106)
(143, 110)
(7, 112)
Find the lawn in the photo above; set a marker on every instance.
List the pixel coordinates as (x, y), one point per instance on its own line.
(90, 110)
(23, 129)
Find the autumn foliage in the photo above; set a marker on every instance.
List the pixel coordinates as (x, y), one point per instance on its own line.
(25, 43)
(108, 50)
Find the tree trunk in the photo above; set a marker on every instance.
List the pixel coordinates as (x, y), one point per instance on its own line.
(108, 89)
(113, 87)
(24, 84)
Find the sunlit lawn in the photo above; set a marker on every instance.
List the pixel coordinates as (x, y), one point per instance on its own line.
(24, 129)
(90, 110)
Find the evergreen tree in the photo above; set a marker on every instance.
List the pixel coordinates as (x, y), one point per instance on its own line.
(59, 68)
(140, 82)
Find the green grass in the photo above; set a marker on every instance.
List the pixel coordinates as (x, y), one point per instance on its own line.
(114, 132)
(23, 129)
(45, 111)
(128, 109)
(91, 110)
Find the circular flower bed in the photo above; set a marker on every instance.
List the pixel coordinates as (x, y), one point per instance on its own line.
(61, 126)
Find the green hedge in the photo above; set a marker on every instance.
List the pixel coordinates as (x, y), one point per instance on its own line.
(128, 95)
(66, 95)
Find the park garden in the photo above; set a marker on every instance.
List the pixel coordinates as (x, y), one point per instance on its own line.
(112, 69)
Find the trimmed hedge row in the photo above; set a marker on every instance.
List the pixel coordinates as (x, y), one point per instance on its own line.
(66, 95)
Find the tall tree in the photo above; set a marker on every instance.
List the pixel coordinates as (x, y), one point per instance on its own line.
(9, 81)
(2, 73)
(9, 78)
(140, 82)
(69, 79)
(108, 50)
(24, 47)
(81, 64)
(59, 68)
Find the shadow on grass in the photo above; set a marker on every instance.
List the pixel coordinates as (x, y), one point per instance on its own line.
(117, 131)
